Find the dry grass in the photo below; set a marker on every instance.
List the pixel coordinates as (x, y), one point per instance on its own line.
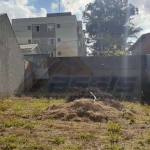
(48, 124)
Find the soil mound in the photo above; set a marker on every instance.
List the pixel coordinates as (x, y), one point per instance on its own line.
(92, 93)
(83, 110)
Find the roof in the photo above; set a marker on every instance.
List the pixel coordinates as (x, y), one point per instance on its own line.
(138, 41)
(28, 46)
(59, 14)
(1, 14)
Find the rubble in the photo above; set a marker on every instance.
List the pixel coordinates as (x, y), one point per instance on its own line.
(91, 93)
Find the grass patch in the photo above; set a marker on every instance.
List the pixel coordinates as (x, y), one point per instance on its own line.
(78, 147)
(37, 146)
(18, 106)
(29, 126)
(4, 106)
(13, 123)
(148, 139)
(57, 140)
(85, 136)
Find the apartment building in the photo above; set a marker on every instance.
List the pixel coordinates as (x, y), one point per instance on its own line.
(57, 34)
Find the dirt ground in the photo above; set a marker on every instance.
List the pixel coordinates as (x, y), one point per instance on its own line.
(28, 123)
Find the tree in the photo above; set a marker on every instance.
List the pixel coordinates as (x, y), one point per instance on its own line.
(109, 24)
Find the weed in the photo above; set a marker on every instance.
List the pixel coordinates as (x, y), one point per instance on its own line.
(57, 140)
(73, 148)
(13, 123)
(9, 139)
(23, 140)
(148, 139)
(4, 106)
(146, 109)
(114, 128)
(38, 146)
(53, 101)
(112, 147)
(29, 126)
(36, 113)
(143, 127)
(113, 132)
(18, 106)
(51, 119)
(9, 146)
(8, 143)
(86, 136)
(128, 136)
(131, 121)
(38, 105)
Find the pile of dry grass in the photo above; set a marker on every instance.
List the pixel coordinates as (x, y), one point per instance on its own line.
(84, 110)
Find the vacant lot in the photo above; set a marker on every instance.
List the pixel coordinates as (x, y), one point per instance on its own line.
(48, 124)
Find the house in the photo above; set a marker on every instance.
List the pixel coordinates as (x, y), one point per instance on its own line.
(141, 46)
(30, 49)
(11, 60)
(57, 34)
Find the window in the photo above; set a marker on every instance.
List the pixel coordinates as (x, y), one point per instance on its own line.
(59, 53)
(29, 27)
(58, 25)
(58, 39)
(36, 41)
(50, 27)
(36, 28)
(79, 43)
(80, 31)
(51, 41)
(29, 41)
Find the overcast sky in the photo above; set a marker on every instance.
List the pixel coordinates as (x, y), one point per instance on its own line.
(34, 8)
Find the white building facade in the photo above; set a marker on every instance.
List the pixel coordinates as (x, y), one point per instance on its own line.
(58, 34)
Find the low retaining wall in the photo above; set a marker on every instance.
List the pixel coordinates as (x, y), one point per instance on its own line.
(119, 75)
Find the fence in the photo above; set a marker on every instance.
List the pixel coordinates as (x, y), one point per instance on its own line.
(123, 76)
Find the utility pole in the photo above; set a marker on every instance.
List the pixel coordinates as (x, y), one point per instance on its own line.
(100, 38)
(59, 6)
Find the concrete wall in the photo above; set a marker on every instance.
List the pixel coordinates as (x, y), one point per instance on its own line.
(11, 60)
(118, 75)
(28, 76)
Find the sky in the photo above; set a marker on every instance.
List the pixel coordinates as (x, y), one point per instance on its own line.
(39, 8)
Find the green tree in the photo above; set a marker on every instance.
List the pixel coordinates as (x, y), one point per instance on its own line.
(109, 25)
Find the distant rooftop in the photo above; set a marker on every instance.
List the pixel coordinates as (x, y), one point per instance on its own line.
(28, 46)
(1, 14)
(59, 14)
(138, 41)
